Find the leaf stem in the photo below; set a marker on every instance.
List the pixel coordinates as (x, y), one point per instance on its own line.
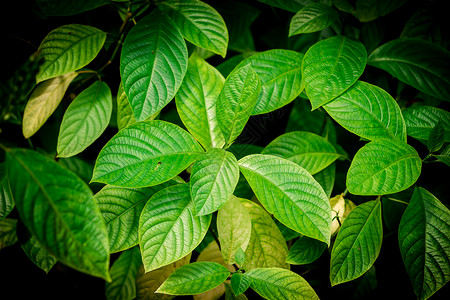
(397, 200)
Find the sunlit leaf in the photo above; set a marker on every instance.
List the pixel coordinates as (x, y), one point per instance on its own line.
(420, 120)
(340, 208)
(357, 244)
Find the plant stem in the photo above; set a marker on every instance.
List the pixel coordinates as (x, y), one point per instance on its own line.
(399, 201)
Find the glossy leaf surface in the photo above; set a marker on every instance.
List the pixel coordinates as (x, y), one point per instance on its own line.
(6, 199)
(125, 114)
(420, 120)
(305, 250)
(312, 18)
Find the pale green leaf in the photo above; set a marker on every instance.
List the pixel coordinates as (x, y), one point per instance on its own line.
(267, 247)
(239, 257)
(310, 151)
(280, 74)
(326, 179)
(369, 112)
(421, 64)
(312, 18)
(85, 119)
(290, 193)
(69, 223)
(357, 244)
(152, 64)
(196, 102)
(43, 102)
(424, 239)
(170, 213)
(200, 24)
(148, 282)
(6, 199)
(214, 177)
(436, 139)
(340, 208)
(121, 208)
(123, 276)
(420, 120)
(8, 234)
(236, 101)
(239, 283)
(330, 67)
(194, 278)
(125, 115)
(160, 151)
(276, 283)
(68, 48)
(234, 227)
(305, 250)
(383, 167)
(38, 254)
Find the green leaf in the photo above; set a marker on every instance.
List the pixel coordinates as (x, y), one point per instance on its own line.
(236, 101)
(68, 7)
(424, 241)
(125, 115)
(85, 119)
(266, 247)
(312, 18)
(148, 282)
(305, 250)
(80, 167)
(310, 151)
(420, 121)
(123, 276)
(326, 179)
(292, 5)
(276, 283)
(368, 10)
(6, 199)
(383, 167)
(214, 177)
(330, 67)
(420, 64)
(288, 191)
(194, 278)
(239, 257)
(200, 24)
(8, 234)
(239, 283)
(58, 208)
(171, 213)
(422, 24)
(121, 209)
(372, 106)
(444, 157)
(152, 64)
(234, 227)
(43, 102)
(280, 74)
(159, 152)
(38, 254)
(357, 244)
(340, 208)
(196, 102)
(68, 48)
(436, 139)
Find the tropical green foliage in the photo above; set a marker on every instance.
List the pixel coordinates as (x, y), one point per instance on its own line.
(239, 149)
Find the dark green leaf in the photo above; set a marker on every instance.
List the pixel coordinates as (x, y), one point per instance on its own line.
(6, 199)
(312, 18)
(420, 120)
(436, 139)
(305, 250)
(38, 254)
(239, 283)
(8, 234)
(68, 7)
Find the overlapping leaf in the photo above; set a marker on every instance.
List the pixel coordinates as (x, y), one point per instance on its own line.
(369, 112)
(290, 193)
(194, 278)
(38, 254)
(196, 102)
(326, 179)
(280, 74)
(80, 167)
(340, 208)
(121, 208)
(305, 250)
(312, 18)
(420, 120)
(239, 283)
(6, 199)
(69, 48)
(424, 241)
(357, 244)
(267, 247)
(276, 283)
(125, 114)
(69, 223)
(123, 276)
(171, 214)
(330, 67)
(214, 177)
(159, 151)
(383, 167)
(310, 151)
(85, 119)
(200, 24)
(234, 226)
(43, 102)
(8, 236)
(418, 63)
(152, 64)
(236, 101)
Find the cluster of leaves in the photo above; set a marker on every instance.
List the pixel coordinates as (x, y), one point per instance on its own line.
(171, 189)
